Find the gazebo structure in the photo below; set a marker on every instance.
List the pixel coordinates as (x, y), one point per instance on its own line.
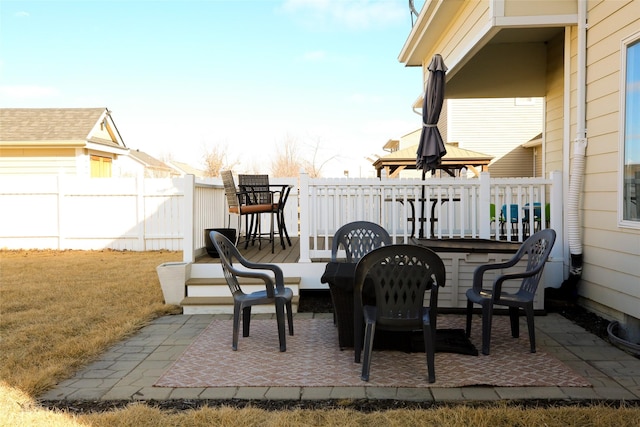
(452, 163)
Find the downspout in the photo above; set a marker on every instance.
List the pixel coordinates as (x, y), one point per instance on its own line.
(569, 288)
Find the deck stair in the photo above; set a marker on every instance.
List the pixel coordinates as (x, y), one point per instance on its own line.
(211, 295)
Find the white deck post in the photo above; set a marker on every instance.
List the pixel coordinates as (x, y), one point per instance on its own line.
(189, 212)
(305, 217)
(558, 264)
(484, 203)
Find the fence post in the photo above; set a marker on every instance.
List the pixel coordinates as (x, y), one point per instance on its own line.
(484, 205)
(140, 215)
(305, 217)
(61, 206)
(189, 211)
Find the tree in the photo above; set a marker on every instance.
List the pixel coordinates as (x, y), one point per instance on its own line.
(216, 160)
(312, 167)
(287, 162)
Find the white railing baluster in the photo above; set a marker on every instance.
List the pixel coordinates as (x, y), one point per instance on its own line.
(453, 207)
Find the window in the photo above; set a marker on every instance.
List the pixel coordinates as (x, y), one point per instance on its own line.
(631, 139)
(100, 167)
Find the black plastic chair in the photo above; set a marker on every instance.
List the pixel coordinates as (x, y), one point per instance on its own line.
(275, 292)
(537, 248)
(400, 275)
(357, 239)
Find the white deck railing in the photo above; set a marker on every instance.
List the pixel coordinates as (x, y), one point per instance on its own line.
(154, 214)
(453, 208)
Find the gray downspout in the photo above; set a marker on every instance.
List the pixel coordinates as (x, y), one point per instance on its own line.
(569, 288)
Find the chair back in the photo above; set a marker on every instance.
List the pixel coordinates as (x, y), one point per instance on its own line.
(229, 189)
(537, 247)
(513, 213)
(228, 254)
(359, 238)
(400, 275)
(492, 212)
(257, 186)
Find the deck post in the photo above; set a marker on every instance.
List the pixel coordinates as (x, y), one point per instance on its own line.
(189, 216)
(558, 264)
(305, 217)
(484, 203)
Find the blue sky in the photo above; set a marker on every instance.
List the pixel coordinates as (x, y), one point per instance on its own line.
(181, 76)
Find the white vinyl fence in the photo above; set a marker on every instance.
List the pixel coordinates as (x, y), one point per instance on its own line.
(68, 212)
(136, 214)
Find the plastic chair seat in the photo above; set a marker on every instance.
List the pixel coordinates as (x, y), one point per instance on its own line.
(537, 248)
(274, 293)
(400, 276)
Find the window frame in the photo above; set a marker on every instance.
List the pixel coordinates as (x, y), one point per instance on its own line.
(633, 40)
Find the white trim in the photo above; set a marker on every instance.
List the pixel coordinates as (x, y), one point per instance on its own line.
(496, 8)
(536, 21)
(566, 133)
(624, 45)
(473, 46)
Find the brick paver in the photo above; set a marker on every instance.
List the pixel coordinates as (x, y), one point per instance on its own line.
(129, 369)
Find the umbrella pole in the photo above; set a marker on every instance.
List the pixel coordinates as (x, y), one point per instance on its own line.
(422, 220)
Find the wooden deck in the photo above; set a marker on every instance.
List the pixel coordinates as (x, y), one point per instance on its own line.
(280, 256)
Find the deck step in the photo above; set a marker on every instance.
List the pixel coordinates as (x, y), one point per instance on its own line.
(200, 281)
(210, 295)
(224, 305)
(217, 286)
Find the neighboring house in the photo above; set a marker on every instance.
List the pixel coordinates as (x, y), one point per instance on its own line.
(186, 169)
(498, 127)
(583, 58)
(401, 162)
(502, 129)
(139, 163)
(55, 141)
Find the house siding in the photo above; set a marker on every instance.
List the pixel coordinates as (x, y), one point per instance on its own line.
(554, 106)
(497, 127)
(41, 161)
(473, 16)
(611, 254)
(539, 7)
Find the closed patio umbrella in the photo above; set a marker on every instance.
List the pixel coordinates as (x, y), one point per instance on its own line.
(431, 148)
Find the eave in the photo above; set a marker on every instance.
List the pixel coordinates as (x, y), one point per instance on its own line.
(500, 57)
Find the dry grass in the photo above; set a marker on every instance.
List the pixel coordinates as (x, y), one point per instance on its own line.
(60, 310)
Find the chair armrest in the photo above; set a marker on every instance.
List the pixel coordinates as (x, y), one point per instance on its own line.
(252, 194)
(277, 271)
(268, 280)
(497, 283)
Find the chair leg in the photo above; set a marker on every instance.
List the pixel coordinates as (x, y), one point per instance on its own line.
(280, 319)
(290, 317)
(514, 318)
(487, 314)
(280, 225)
(239, 233)
(236, 326)
(252, 229)
(429, 348)
(246, 321)
(369, 332)
(271, 234)
(283, 226)
(532, 332)
(469, 314)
